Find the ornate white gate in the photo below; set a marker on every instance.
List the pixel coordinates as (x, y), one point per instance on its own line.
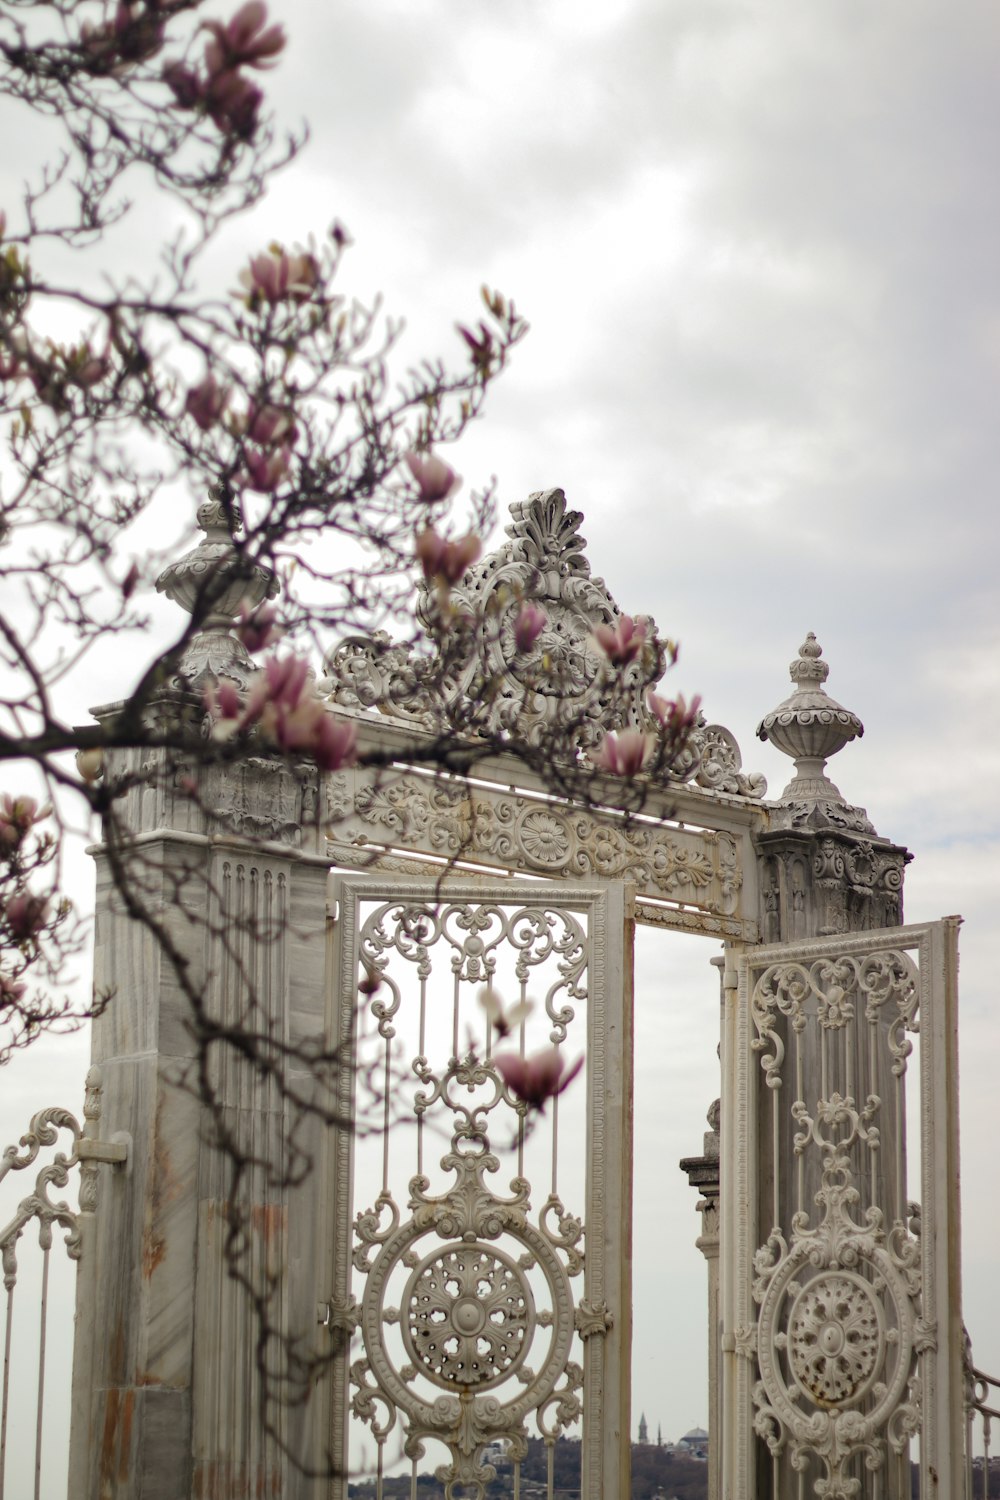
(840, 1292)
(486, 1287)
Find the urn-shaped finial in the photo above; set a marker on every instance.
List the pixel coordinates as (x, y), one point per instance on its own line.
(810, 726)
(217, 575)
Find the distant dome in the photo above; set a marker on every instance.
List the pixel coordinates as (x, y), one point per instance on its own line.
(696, 1435)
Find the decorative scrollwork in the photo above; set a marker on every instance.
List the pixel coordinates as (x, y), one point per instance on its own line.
(466, 1314)
(835, 1338)
(470, 1316)
(561, 684)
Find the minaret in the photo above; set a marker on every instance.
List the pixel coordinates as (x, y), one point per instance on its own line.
(643, 1429)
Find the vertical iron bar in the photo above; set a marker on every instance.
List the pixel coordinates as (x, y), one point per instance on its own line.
(6, 1384)
(41, 1371)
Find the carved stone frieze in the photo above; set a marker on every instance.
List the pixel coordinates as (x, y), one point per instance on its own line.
(562, 683)
(690, 867)
(815, 885)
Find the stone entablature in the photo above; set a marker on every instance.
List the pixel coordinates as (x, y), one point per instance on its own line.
(685, 876)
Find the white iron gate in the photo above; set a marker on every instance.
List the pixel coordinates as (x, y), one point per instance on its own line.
(485, 1275)
(841, 1294)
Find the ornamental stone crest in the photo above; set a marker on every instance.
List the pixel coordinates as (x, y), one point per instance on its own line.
(561, 684)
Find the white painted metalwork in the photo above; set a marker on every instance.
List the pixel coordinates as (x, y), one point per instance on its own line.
(49, 1214)
(464, 1294)
(841, 1333)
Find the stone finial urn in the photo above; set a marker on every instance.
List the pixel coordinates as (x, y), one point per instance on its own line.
(216, 564)
(810, 726)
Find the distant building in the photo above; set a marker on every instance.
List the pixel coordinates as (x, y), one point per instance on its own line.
(643, 1429)
(695, 1443)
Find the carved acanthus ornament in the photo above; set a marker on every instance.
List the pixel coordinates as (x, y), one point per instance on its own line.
(562, 685)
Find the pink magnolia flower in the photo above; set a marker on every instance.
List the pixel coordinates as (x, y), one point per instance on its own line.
(276, 275)
(11, 991)
(676, 718)
(436, 480)
(206, 402)
(480, 344)
(622, 642)
(233, 104)
(446, 562)
(335, 744)
(185, 85)
(269, 425)
(504, 1019)
(25, 913)
(258, 628)
(278, 686)
(265, 470)
(17, 816)
(246, 40)
(537, 1078)
(528, 626)
(225, 706)
(624, 753)
(87, 368)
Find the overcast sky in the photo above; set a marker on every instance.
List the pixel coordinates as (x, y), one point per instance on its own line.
(758, 248)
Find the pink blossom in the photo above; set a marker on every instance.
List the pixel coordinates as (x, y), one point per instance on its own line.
(276, 275)
(130, 580)
(624, 753)
(87, 368)
(446, 562)
(335, 744)
(257, 628)
(222, 700)
(233, 104)
(278, 685)
(206, 402)
(243, 40)
(480, 343)
(25, 913)
(537, 1078)
(269, 425)
(185, 85)
(436, 480)
(677, 718)
(265, 471)
(17, 815)
(622, 642)
(138, 36)
(11, 991)
(528, 626)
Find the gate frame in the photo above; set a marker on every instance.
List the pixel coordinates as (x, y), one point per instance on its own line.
(606, 1293)
(941, 1449)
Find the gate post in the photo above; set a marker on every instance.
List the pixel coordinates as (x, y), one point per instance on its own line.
(823, 872)
(176, 1406)
(210, 924)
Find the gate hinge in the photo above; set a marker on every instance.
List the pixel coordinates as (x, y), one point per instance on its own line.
(115, 1152)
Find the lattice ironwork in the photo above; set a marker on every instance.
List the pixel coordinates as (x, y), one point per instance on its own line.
(469, 1330)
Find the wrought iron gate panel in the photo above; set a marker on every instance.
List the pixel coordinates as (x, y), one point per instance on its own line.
(841, 1295)
(476, 1317)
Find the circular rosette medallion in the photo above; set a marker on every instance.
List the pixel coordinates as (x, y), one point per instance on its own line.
(835, 1338)
(468, 1316)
